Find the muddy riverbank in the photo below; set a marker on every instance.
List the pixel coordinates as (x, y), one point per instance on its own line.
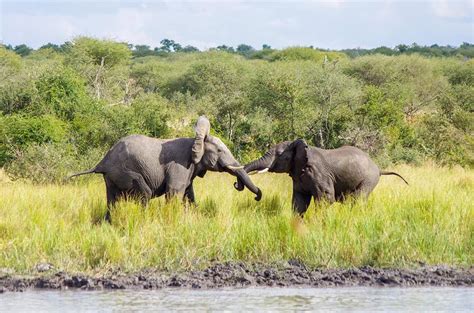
(235, 274)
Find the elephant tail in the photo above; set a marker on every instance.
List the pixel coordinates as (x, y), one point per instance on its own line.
(91, 171)
(393, 173)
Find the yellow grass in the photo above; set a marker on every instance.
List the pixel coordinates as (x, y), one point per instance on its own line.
(430, 221)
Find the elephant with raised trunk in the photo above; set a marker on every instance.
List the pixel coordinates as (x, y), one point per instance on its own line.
(330, 174)
(144, 167)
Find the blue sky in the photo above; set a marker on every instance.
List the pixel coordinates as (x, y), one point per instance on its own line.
(326, 24)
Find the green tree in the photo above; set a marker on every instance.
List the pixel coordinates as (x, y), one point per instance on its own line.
(18, 131)
(245, 50)
(305, 54)
(62, 93)
(22, 50)
(104, 64)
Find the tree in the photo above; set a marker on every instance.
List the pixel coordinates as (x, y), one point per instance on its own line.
(401, 48)
(279, 90)
(177, 47)
(188, 49)
(52, 46)
(22, 50)
(61, 93)
(225, 48)
(141, 51)
(8, 61)
(303, 53)
(245, 50)
(219, 83)
(104, 63)
(168, 45)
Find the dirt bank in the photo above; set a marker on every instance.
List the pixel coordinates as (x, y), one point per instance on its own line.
(235, 274)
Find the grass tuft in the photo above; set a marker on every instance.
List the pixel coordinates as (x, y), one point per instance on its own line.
(430, 221)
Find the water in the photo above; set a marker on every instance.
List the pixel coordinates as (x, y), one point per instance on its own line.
(246, 299)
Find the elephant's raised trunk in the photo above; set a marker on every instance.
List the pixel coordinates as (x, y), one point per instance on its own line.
(245, 180)
(257, 165)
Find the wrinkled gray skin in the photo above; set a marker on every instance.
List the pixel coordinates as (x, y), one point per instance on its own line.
(318, 173)
(142, 167)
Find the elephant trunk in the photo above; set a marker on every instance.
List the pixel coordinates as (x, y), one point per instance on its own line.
(257, 165)
(244, 179)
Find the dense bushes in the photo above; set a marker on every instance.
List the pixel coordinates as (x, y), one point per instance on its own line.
(60, 109)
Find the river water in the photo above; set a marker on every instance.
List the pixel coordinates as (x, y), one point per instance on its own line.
(358, 299)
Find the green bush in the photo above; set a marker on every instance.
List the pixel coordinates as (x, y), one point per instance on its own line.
(80, 98)
(305, 54)
(50, 162)
(62, 93)
(17, 132)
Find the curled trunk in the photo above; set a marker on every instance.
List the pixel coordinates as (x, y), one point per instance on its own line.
(245, 180)
(257, 165)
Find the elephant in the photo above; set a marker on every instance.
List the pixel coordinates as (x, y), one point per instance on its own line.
(144, 167)
(332, 174)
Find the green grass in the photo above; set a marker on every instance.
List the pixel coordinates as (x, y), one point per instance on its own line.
(430, 221)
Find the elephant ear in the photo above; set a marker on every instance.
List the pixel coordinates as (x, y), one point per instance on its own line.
(202, 131)
(300, 160)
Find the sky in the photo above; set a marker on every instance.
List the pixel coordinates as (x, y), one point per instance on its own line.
(326, 24)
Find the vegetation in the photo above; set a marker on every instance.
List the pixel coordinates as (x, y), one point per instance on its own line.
(62, 107)
(431, 221)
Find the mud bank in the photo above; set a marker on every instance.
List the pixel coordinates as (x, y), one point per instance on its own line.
(235, 274)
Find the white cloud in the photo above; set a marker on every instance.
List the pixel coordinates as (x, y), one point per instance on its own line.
(38, 29)
(205, 24)
(128, 24)
(453, 9)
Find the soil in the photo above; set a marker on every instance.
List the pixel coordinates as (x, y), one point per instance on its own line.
(236, 274)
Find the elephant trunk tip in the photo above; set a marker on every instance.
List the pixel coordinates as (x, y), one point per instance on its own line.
(239, 185)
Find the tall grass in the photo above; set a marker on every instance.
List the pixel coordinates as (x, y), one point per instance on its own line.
(430, 221)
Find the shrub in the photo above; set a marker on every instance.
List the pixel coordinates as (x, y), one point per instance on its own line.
(62, 93)
(17, 132)
(306, 54)
(50, 162)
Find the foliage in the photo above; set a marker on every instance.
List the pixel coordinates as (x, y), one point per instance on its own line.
(399, 106)
(309, 54)
(49, 162)
(465, 50)
(62, 93)
(18, 132)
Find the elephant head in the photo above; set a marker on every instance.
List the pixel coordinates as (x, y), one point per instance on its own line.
(285, 157)
(210, 153)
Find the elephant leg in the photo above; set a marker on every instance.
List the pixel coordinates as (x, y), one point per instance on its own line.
(174, 192)
(189, 194)
(364, 189)
(113, 193)
(300, 202)
(329, 196)
(177, 182)
(141, 189)
(325, 192)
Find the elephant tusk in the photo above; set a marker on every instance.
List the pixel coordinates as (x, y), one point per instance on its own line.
(259, 172)
(234, 168)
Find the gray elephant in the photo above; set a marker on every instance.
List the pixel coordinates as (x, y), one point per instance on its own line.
(144, 167)
(318, 173)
